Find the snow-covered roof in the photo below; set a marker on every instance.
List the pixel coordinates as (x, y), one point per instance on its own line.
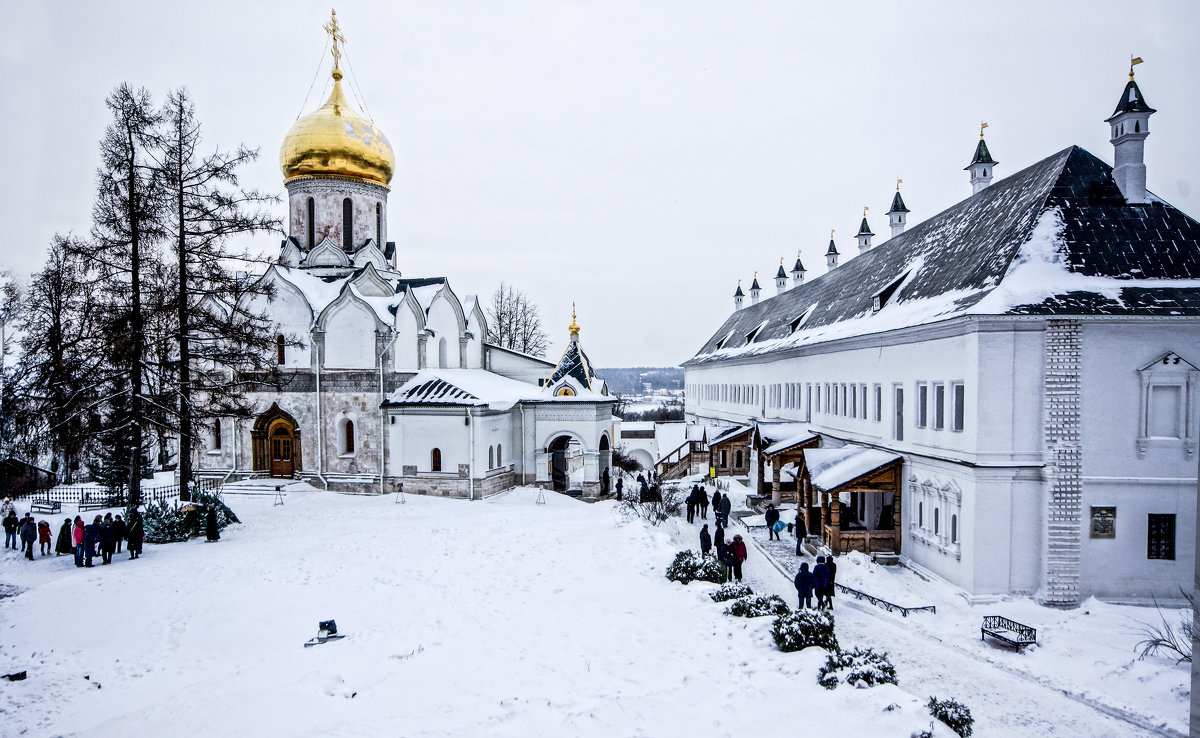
(790, 436)
(1055, 238)
(522, 354)
(717, 436)
(670, 436)
(317, 291)
(475, 387)
(830, 468)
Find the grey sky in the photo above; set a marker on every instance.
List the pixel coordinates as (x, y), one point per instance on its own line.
(635, 157)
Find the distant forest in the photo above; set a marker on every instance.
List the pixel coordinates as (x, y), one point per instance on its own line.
(640, 380)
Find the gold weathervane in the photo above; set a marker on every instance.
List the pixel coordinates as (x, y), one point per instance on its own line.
(982, 125)
(335, 34)
(1133, 61)
(574, 327)
(865, 209)
(898, 183)
(830, 234)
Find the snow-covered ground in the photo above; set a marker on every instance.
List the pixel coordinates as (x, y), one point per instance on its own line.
(501, 617)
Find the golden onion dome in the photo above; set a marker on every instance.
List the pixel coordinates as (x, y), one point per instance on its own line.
(335, 140)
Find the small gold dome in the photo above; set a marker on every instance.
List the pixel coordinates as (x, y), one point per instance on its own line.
(335, 140)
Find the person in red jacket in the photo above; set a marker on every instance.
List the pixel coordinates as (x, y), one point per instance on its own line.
(44, 537)
(77, 538)
(739, 555)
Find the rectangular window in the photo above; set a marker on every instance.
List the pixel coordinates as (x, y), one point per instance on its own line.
(1165, 417)
(827, 405)
(1160, 537)
(939, 406)
(879, 403)
(958, 396)
(862, 401)
(922, 405)
(808, 395)
(853, 402)
(898, 423)
(845, 404)
(837, 401)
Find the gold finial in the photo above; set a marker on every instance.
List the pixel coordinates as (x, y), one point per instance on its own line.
(1133, 61)
(898, 183)
(830, 234)
(739, 283)
(335, 34)
(574, 327)
(982, 125)
(865, 209)
(781, 261)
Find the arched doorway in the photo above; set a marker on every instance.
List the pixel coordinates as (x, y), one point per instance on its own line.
(275, 442)
(605, 464)
(566, 463)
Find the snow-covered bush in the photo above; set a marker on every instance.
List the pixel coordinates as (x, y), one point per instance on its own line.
(858, 667)
(661, 504)
(167, 523)
(757, 607)
(803, 628)
(690, 567)
(730, 592)
(954, 714)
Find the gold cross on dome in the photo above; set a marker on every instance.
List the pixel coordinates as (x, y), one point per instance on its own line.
(335, 33)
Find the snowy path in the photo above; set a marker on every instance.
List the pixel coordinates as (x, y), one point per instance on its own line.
(499, 618)
(1001, 697)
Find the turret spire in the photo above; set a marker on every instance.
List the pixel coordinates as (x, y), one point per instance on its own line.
(780, 279)
(738, 297)
(864, 233)
(1130, 123)
(897, 213)
(797, 272)
(755, 290)
(981, 165)
(831, 255)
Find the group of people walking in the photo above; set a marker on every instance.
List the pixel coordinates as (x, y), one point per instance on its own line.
(101, 538)
(730, 553)
(819, 581)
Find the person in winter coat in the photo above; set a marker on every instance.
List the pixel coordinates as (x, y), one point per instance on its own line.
(705, 541)
(43, 537)
(77, 537)
(210, 526)
(772, 519)
(62, 545)
(11, 524)
(832, 566)
(719, 537)
(716, 506)
(120, 530)
(136, 534)
(620, 487)
(28, 535)
(821, 574)
(805, 584)
(703, 504)
(691, 505)
(91, 539)
(108, 539)
(726, 557)
(801, 531)
(7, 507)
(739, 556)
(724, 509)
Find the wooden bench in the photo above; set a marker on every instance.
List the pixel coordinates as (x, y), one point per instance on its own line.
(1010, 631)
(88, 502)
(46, 506)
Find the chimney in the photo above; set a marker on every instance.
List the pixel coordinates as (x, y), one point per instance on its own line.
(1130, 125)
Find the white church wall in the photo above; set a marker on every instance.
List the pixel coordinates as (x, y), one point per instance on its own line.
(517, 366)
(443, 321)
(349, 336)
(293, 319)
(404, 347)
(474, 344)
(327, 196)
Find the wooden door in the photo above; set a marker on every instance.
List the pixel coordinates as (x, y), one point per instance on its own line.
(281, 447)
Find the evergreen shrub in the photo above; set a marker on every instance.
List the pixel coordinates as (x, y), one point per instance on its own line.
(954, 714)
(165, 522)
(757, 607)
(804, 628)
(858, 667)
(690, 567)
(730, 592)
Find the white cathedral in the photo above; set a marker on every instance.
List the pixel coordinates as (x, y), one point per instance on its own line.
(390, 382)
(1005, 395)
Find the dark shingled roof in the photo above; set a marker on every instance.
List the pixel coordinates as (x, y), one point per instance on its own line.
(864, 229)
(898, 204)
(798, 267)
(1131, 102)
(754, 285)
(433, 391)
(739, 292)
(832, 248)
(982, 156)
(781, 274)
(574, 363)
(964, 252)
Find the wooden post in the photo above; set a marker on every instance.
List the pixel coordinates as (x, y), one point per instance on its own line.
(758, 482)
(775, 481)
(835, 522)
(896, 514)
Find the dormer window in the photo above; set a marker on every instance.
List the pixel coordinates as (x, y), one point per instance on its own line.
(753, 334)
(880, 298)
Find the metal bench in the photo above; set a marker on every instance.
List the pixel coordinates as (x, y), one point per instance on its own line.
(1009, 631)
(88, 502)
(46, 506)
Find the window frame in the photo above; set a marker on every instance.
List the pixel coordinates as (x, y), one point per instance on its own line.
(958, 404)
(922, 410)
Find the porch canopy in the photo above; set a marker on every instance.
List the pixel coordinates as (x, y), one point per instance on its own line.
(782, 444)
(865, 480)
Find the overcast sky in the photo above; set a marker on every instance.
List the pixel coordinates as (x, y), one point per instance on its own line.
(635, 157)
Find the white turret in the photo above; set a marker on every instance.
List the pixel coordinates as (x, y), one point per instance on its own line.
(864, 234)
(780, 279)
(797, 272)
(897, 213)
(1130, 125)
(831, 255)
(738, 297)
(755, 290)
(982, 165)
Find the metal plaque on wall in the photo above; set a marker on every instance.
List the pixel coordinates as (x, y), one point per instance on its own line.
(1104, 522)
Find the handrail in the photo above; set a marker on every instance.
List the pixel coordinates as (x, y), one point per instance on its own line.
(889, 606)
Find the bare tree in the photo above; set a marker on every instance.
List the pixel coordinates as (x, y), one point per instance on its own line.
(516, 323)
(214, 333)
